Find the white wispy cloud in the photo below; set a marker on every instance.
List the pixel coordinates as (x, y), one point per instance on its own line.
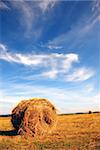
(29, 14)
(96, 5)
(53, 64)
(46, 4)
(70, 58)
(50, 74)
(90, 25)
(62, 67)
(3, 5)
(40, 59)
(65, 100)
(54, 47)
(89, 88)
(80, 74)
(93, 19)
(85, 26)
(51, 46)
(2, 47)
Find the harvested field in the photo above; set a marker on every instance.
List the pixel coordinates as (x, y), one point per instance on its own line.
(73, 132)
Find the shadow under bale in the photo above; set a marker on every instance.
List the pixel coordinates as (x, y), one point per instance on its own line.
(8, 133)
(34, 117)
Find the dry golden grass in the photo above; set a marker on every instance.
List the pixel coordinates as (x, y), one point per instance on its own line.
(34, 117)
(73, 132)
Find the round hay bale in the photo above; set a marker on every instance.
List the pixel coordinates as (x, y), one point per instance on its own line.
(34, 117)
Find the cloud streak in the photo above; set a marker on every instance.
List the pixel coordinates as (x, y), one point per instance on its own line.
(29, 14)
(51, 60)
(80, 30)
(62, 62)
(3, 5)
(45, 5)
(52, 65)
(51, 46)
(81, 74)
(62, 98)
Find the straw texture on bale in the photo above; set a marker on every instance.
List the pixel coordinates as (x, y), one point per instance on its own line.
(34, 117)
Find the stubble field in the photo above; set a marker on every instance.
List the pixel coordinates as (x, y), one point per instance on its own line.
(73, 132)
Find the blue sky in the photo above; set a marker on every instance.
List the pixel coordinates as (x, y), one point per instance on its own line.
(50, 49)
